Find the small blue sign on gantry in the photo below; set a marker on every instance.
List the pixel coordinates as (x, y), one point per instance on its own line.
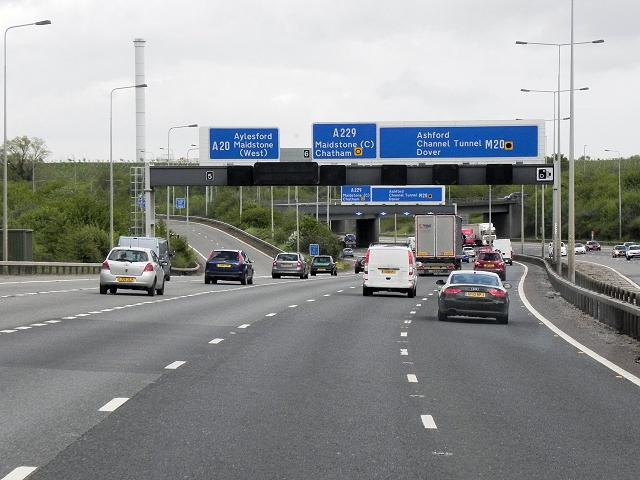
(244, 144)
(422, 195)
(353, 194)
(464, 142)
(346, 141)
(180, 203)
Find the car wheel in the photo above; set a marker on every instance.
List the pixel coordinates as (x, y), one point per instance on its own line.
(411, 293)
(103, 289)
(113, 290)
(335, 273)
(250, 281)
(366, 291)
(306, 275)
(167, 278)
(442, 317)
(207, 280)
(313, 274)
(243, 279)
(503, 277)
(302, 277)
(151, 291)
(503, 320)
(160, 291)
(214, 280)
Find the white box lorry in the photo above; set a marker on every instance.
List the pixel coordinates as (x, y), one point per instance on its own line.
(438, 243)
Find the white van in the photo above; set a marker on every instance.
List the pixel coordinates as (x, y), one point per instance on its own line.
(503, 245)
(158, 244)
(389, 268)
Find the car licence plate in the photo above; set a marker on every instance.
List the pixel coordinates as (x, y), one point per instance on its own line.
(389, 272)
(126, 279)
(322, 269)
(287, 265)
(476, 294)
(224, 265)
(489, 265)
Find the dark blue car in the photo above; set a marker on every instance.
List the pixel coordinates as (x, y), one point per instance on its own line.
(231, 265)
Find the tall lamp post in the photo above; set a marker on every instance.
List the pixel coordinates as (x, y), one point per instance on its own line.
(619, 195)
(557, 171)
(168, 150)
(5, 211)
(142, 85)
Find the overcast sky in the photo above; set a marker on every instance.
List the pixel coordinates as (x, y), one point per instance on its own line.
(291, 63)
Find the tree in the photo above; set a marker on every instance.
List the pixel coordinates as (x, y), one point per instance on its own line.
(23, 153)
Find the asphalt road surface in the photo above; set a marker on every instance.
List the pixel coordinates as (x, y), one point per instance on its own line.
(295, 378)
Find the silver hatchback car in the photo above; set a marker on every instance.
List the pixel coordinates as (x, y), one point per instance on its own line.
(290, 264)
(132, 268)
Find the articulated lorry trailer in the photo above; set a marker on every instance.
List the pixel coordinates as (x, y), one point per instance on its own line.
(438, 243)
(481, 234)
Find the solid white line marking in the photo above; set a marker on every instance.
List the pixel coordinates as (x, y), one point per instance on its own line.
(620, 371)
(412, 378)
(19, 473)
(427, 421)
(216, 340)
(403, 334)
(113, 404)
(246, 325)
(174, 365)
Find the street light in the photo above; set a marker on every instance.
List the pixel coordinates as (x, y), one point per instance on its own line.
(192, 149)
(619, 195)
(5, 212)
(168, 158)
(556, 233)
(142, 85)
(557, 171)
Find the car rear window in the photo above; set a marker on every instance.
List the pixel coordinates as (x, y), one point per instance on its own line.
(490, 256)
(322, 259)
(224, 255)
(129, 256)
(287, 257)
(388, 257)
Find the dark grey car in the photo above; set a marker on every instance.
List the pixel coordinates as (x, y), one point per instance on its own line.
(290, 264)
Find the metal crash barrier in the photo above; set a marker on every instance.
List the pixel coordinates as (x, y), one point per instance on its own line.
(614, 306)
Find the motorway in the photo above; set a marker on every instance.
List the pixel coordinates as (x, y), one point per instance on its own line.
(295, 378)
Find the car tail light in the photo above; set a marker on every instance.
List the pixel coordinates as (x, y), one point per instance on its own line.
(239, 258)
(498, 293)
(410, 262)
(275, 264)
(331, 264)
(299, 264)
(149, 268)
(365, 267)
(477, 264)
(451, 291)
(105, 265)
(313, 264)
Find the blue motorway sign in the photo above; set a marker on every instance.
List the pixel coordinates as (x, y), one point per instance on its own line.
(435, 142)
(314, 249)
(413, 195)
(180, 203)
(354, 141)
(244, 144)
(356, 194)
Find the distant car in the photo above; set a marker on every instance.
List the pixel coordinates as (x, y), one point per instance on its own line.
(627, 244)
(491, 262)
(132, 268)
(347, 252)
(513, 196)
(473, 294)
(349, 240)
(465, 257)
(290, 264)
(232, 265)
(323, 264)
(593, 245)
(618, 251)
(470, 251)
(359, 265)
(632, 251)
(579, 248)
(563, 249)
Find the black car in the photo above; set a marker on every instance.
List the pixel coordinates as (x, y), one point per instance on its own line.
(473, 294)
(358, 265)
(228, 265)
